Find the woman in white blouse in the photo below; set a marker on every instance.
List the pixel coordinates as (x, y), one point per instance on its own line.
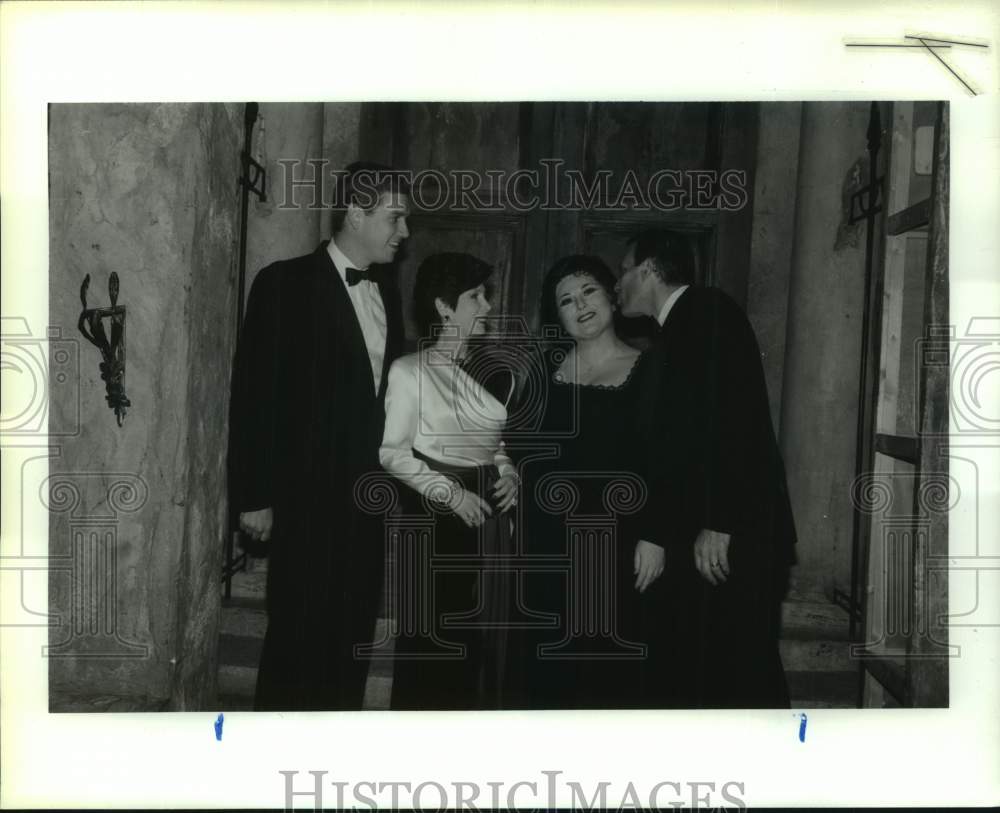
(444, 422)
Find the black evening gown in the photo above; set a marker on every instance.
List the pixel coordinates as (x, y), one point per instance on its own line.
(585, 647)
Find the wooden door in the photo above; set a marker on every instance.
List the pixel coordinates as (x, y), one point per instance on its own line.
(701, 140)
(495, 140)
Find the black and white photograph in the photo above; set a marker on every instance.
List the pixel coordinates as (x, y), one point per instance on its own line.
(478, 406)
(586, 410)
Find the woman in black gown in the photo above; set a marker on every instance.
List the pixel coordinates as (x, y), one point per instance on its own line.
(578, 506)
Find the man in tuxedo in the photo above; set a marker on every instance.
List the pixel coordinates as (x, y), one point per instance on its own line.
(306, 421)
(718, 503)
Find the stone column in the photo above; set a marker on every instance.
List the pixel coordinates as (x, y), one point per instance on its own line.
(776, 183)
(823, 348)
(137, 512)
(287, 138)
(341, 144)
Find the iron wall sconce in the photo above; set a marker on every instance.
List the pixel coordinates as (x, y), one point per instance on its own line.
(91, 325)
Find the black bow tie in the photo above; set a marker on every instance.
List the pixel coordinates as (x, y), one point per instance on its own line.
(355, 275)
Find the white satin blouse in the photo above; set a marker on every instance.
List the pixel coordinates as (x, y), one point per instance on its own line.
(435, 407)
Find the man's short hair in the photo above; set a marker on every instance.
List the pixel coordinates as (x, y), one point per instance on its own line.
(363, 183)
(670, 251)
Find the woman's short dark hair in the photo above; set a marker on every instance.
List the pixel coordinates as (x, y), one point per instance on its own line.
(446, 276)
(574, 265)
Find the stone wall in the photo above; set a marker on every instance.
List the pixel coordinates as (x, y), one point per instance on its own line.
(341, 144)
(805, 300)
(287, 224)
(823, 346)
(278, 230)
(148, 191)
(138, 512)
(774, 197)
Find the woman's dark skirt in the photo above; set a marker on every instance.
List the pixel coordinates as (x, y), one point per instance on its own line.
(451, 594)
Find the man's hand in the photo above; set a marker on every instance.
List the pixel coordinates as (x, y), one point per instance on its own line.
(257, 524)
(711, 556)
(648, 561)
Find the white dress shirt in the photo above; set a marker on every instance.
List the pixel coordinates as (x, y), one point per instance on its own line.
(435, 407)
(671, 300)
(368, 307)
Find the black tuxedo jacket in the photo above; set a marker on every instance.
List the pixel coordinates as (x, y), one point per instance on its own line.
(714, 461)
(305, 425)
(303, 399)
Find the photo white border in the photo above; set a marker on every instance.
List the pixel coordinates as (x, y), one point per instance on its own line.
(270, 51)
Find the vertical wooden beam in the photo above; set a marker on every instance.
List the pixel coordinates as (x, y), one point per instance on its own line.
(897, 196)
(881, 372)
(929, 673)
(537, 124)
(871, 331)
